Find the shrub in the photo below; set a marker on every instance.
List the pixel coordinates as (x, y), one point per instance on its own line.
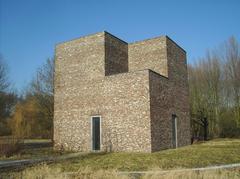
(10, 145)
(228, 128)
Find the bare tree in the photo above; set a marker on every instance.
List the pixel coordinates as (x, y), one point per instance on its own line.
(4, 84)
(214, 83)
(232, 70)
(42, 88)
(204, 84)
(7, 99)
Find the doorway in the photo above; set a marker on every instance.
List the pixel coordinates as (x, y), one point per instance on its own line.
(174, 131)
(96, 132)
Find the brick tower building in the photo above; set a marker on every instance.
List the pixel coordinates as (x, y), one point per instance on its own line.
(111, 95)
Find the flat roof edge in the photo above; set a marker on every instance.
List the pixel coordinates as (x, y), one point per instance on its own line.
(175, 43)
(158, 74)
(84, 36)
(115, 37)
(135, 42)
(148, 39)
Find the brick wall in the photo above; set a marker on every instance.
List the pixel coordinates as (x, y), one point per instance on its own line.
(177, 70)
(160, 109)
(148, 54)
(116, 55)
(122, 100)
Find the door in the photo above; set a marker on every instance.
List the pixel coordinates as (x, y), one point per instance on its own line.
(96, 120)
(174, 131)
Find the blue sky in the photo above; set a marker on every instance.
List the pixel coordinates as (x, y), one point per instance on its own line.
(29, 29)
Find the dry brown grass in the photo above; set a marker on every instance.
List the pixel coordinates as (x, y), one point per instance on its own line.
(209, 174)
(45, 172)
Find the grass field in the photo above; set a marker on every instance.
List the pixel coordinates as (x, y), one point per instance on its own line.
(107, 165)
(216, 152)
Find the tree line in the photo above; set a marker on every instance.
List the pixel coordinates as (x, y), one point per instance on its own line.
(214, 88)
(29, 115)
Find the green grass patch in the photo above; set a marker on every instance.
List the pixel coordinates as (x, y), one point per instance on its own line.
(215, 152)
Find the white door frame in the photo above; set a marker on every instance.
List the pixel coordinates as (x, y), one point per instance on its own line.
(175, 137)
(91, 140)
(176, 132)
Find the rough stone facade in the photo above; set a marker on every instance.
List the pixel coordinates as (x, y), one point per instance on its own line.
(135, 88)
